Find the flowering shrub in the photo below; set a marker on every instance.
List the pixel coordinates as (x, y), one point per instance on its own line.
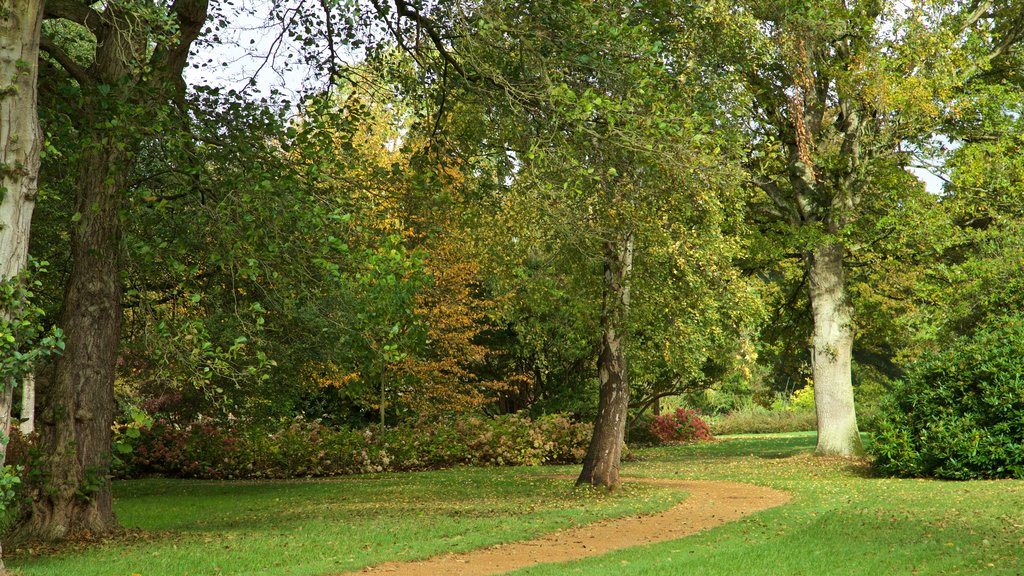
(189, 451)
(304, 448)
(683, 425)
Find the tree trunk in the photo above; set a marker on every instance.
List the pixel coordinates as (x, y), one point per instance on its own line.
(601, 465)
(20, 143)
(78, 402)
(28, 404)
(832, 353)
(20, 138)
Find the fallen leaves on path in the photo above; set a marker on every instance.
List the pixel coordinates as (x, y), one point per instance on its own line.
(709, 504)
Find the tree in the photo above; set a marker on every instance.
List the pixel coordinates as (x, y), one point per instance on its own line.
(612, 149)
(21, 139)
(839, 93)
(20, 144)
(134, 73)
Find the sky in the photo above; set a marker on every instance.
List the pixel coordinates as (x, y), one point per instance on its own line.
(252, 55)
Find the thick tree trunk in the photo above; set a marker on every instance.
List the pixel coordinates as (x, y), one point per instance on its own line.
(601, 465)
(20, 143)
(20, 138)
(78, 402)
(76, 405)
(832, 353)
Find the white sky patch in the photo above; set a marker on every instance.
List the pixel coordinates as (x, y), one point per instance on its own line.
(253, 54)
(932, 182)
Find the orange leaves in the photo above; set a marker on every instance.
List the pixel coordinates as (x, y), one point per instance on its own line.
(445, 378)
(328, 375)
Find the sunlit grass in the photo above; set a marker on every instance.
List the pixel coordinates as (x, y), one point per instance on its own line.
(201, 528)
(842, 521)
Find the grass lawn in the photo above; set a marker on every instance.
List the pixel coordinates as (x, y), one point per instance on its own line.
(839, 522)
(204, 528)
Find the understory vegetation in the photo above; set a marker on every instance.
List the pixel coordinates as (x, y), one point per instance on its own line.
(302, 448)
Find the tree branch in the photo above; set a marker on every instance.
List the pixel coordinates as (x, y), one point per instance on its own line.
(775, 194)
(332, 65)
(979, 10)
(74, 69)
(430, 27)
(79, 12)
(170, 60)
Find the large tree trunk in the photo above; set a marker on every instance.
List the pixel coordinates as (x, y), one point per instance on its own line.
(78, 402)
(20, 143)
(20, 138)
(601, 465)
(832, 353)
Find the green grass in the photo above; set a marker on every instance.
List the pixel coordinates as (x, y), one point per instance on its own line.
(202, 528)
(840, 522)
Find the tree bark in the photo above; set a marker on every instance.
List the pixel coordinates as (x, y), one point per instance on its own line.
(601, 465)
(831, 354)
(20, 137)
(78, 402)
(20, 144)
(28, 404)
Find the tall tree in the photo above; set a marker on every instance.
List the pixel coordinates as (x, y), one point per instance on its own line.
(132, 74)
(20, 144)
(20, 137)
(841, 90)
(616, 154)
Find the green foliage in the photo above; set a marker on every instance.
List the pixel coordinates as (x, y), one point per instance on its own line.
(299, 448)
(10, 479)
(959, 414)
(801, 400)
(755, 419)
(24, 338)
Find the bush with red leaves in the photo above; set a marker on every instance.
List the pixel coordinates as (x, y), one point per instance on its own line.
(682, 426)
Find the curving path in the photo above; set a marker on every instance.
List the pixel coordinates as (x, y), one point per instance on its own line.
(709, 504)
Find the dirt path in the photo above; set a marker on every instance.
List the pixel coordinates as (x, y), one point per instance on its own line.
(709, 504)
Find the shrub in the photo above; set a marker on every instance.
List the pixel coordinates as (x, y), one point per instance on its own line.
(801, 400)
(304, 448)
(759, 420)
(959, 414)
(683, 425)
(638, 433)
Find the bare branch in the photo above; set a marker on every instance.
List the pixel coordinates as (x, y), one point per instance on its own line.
(332, 64)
